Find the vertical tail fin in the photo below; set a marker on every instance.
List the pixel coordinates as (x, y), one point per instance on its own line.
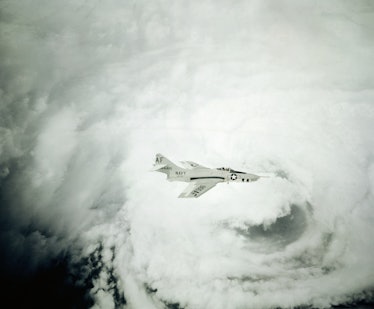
(164, 165)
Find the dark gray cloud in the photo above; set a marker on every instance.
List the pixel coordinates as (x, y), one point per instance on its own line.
(89, 92)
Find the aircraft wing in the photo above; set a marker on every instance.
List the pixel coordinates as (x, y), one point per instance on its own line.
(190, 164)
(197, 188)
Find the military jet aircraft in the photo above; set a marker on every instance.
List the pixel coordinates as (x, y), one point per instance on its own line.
(201, 178)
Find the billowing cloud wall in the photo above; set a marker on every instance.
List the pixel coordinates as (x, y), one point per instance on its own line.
(91, 91)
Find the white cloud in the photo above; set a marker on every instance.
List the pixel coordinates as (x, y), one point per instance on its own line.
(94, 91)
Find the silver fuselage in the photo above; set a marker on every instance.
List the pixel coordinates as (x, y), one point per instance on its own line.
(220, 175)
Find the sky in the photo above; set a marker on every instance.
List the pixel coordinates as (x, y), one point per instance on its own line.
(90, 91)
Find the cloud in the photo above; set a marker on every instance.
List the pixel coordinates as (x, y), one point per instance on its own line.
(91, 92)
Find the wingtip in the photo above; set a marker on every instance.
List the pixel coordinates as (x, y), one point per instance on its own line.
(182, 195)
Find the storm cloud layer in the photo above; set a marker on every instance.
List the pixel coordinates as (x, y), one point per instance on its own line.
(91, 90)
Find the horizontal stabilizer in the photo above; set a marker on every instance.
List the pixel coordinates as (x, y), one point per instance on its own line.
(156, 167)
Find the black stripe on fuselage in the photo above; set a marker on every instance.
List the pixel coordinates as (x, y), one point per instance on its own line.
(207, 177)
